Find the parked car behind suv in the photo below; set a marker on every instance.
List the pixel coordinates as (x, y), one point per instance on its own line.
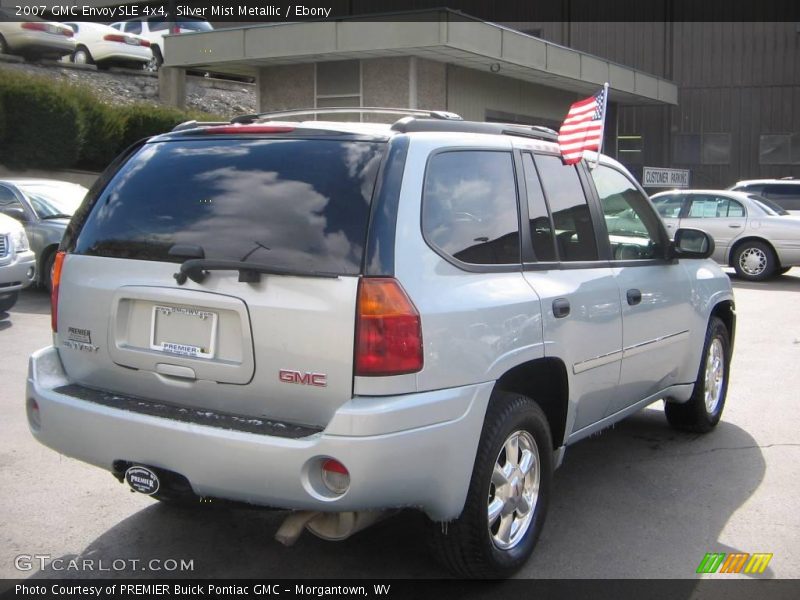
(751, 233)
(783, 192)
(102, 45)
(32, 37)
(344, 318)
(44, 207)
(17, 265)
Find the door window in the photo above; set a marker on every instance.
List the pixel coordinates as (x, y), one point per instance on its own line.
(669, 207)
(705, 206)
(469, 207)
(632, 225)
(574, 232)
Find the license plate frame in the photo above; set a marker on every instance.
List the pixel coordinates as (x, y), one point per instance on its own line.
(183, 349)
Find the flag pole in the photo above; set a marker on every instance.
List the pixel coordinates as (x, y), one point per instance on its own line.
(603, 125)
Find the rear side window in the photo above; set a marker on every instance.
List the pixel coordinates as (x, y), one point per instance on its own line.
(575, 235)
(786, 195)
(299, 204)
(470, 206)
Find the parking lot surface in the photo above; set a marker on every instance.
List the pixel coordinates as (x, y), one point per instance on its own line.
(636, 501)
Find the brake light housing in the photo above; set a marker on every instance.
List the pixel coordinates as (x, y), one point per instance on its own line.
(56, 284)
(388, 330)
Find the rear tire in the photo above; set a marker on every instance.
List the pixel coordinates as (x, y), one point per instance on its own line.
(7, 302)
(157, 60)
(754, 261)
(82, 56)
(783, 270)
(704, 409)
(47, 271)
(3, 45)
(508, 493)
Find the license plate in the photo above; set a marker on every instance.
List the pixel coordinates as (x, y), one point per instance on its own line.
(184, 331)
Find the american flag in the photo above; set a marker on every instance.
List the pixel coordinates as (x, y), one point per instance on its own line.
(582, 129)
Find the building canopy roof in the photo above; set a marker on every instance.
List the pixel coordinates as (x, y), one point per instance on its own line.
(442, 35)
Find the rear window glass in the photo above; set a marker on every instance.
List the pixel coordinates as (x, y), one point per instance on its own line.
(160, 24)
(298, 204)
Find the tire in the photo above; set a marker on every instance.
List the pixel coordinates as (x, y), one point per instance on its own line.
(3, 45)
(783, 270)
(6, 302)
(476, 545)
(704, 409)
(156, 61)
(47, 271)
(82, 56)
(754, 261)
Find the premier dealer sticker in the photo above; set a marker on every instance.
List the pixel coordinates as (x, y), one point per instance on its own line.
(142, 480)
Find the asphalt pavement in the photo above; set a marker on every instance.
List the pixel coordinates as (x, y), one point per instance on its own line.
(636, 501)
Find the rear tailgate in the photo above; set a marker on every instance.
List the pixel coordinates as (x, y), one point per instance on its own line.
(278, 347)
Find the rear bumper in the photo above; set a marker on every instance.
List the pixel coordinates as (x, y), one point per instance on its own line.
(415, 450)
(17, 274)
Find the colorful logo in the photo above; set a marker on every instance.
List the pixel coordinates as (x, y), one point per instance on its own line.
(735, 562)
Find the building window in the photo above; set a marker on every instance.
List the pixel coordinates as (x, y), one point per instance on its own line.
(779, 149)
(338, 84)
(705, 149)
(630, 149)
(716, 148)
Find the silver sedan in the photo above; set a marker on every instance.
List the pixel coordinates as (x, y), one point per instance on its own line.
(752, 234)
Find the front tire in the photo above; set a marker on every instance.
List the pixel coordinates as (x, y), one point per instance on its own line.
(704, 409)
(82, 56)
(508, 493)
(7, 302)
(754, 261)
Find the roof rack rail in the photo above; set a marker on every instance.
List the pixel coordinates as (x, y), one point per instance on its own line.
(431, 114)
(412, 124)
(193, 123)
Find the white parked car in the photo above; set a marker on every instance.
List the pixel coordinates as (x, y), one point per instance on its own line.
(34, 37)
(751, 233)
(155, 29)
(103, 45)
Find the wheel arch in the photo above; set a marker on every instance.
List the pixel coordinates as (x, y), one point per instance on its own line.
(545, 381)
(751, 238)
(41, 261)
(726, 312)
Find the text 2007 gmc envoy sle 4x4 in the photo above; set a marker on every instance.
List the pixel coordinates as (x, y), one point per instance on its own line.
(345, 318)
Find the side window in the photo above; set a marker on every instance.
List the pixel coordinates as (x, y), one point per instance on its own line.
(705, 206)
(633, 229)
(541, 228)
(117, 26)
(469, 208)
(133, 27)
(669, 207)
(574, 233)
(9, 205)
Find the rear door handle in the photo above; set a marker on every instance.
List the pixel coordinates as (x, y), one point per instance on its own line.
(560, 308)
(734, 226)
(634, 296)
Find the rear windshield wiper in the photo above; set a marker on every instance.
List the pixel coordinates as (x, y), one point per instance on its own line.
(57, 216)
(197, 270)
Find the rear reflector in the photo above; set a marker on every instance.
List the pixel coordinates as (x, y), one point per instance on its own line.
(335, 476)
(249, 129)
(388, 330)
(144, 43)
(57, 265)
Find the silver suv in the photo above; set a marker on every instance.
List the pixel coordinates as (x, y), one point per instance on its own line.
(348, 318)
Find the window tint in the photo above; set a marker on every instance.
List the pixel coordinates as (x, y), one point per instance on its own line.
(710, 207)
(470, 206)
(296, 204)
(575, 237)
(541, 228)
(632, 226)
(669, 207)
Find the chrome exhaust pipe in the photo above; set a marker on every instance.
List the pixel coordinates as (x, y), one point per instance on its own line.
(333, 527)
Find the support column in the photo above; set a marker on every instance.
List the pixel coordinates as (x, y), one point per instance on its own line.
(172, 86)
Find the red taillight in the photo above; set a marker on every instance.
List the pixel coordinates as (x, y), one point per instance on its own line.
(56, 281)
(114, 37)
(67, 31)
(249, 129)
(388, 330)
(35, 26)
(144, 43)
(176, 29)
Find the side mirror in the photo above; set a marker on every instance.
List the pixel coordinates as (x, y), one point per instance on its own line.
(692, 243)
(15, 212)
